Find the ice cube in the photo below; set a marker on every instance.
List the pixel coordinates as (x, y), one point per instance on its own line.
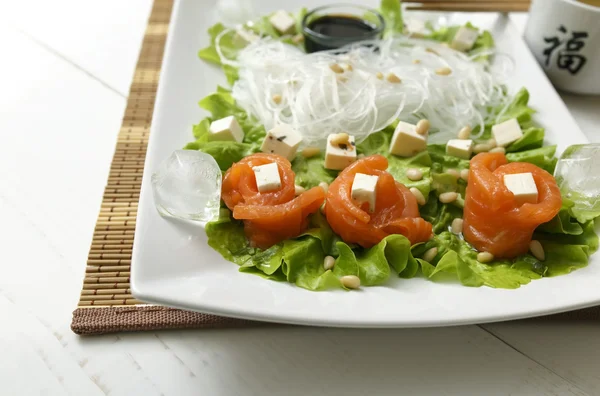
(187, 185)
(578, 176)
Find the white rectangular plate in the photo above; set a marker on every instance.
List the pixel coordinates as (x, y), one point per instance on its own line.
(174, 266)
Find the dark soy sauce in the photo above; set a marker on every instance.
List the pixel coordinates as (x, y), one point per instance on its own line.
(336, 31)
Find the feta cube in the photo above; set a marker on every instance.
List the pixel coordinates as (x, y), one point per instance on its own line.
(406, 141)
(282, 140)
(507, 132)
(226, 129)
(363, 189)
(416, 28)
(283, 22)
(267, 177)
(338, 157)
(464, 39)
(523, 186)
(461, 148)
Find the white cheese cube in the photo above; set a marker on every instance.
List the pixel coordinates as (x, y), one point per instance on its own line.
(338, 157)
(282, 140)
(406, 141)
(416, 28)
(464, 39)
(226, 129)
(283, 22)
(363, 189)
(461, 148)
(267, 177)
(523, 186)
(507, 132)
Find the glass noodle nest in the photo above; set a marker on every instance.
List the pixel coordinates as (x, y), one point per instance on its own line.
(355, 89)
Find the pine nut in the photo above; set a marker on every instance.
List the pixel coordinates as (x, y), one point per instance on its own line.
(492, 142)
(342, 79)
(348, 67)
(328, 263)
(464, 133)
(393, 78)
(536, 248)
(277, 98)
(457, 226)
(336, 68)
(299, 190)
(324, 186)
(430, 254)
(350, 281)
(379, 75)
(417, 61)
(464, 174)
(443, 71)
(297, 39)
(453, 172)
(418, 195)
(448, 197)
(482, 148)
(322, 208)
(485, 257)
(431, 50)
(340, 138)
(423, 126)
(310, 152)
(498, 150)
(414, 174)
(359, 156)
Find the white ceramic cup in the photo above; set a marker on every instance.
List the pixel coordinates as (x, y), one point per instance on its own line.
(564, 36)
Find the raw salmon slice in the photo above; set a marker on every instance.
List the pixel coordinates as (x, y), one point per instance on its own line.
(273, 216)
(396, 209)
(493, 221)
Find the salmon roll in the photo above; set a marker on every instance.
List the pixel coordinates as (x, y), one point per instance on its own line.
(496, 220)
(269, 216)
(394, 209)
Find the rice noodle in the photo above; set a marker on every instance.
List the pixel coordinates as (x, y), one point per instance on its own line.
(317, 101)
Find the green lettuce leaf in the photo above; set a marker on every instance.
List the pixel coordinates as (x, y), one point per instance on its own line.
(391, 11)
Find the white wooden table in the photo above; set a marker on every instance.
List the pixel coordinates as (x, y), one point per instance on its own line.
(64, 75)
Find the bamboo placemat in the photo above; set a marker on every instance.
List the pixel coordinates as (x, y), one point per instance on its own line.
(106, 304)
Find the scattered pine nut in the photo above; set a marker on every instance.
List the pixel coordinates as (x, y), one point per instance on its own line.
(393, 78)
(336, 68)
(299, 190)
(340, 138)
(277, 98)
(464, 133)
(414, 174)
(342, 79)
(482, 148)
(430, 254)
(423, 126)
(448, 197)
(457, 226)
(418, 195)
(350, 281)
(536, 248)
(328, 262)
(297, 39)
(324, 186)
(348, 67)
(498, 150)
(492, 143)
(416, 61)
(453, 172)
(485, 257)
(464, 174)
(310, 152)
(431, 50)
(443, 71)
(379, 75)
(361, 156)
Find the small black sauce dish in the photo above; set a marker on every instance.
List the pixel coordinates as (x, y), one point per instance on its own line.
(334, 26)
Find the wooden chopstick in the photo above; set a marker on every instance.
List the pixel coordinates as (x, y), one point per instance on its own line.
(471, 6)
